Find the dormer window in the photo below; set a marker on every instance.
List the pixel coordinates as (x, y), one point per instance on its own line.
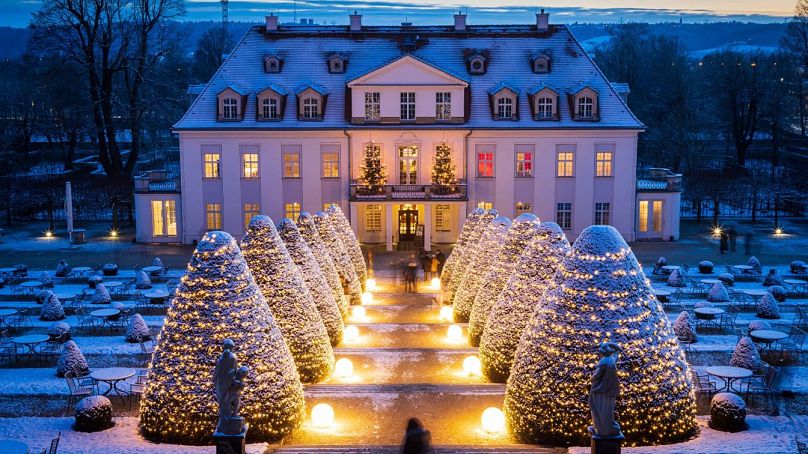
(505, 108)
(271, 102)
(311, 109)
(504, 102)
(541, 64)
(230, 111)
(543, 102)
(544, 108)
(230, 104)
(336, 63)
(272, 64)
(311, 100)
(586, 108)
(584, 104)
(477, 61)
(269, 109)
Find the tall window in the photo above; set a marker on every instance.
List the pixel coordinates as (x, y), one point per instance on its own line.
(249, 165)
(292, 211)
(544, 108)
(586, 107)
(213, 216)
(524, 164)
(291, 165)
(311, 108)
(443, 105)
(251, 210)
(373, 218)
(443, 218)
(330, 164)
(603, 164)
(657, 224)
(505, 108)
(601, 213)
(565, 160)
(522, 208)
(485, 164)
(230, 109)
(158, 224)
(643, 215)
(164, 218)
(564, 215)
(269, 109)
(211, 161)
(408, 106)
(485, 205)
(372, 106)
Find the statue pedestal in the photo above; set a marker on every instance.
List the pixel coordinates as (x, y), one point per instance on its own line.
(230, 444)
(607, 445)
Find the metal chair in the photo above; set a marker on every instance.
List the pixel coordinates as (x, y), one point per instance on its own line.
(728, 318)
(794, 345)
(77, 392)
(7, 348)
(704, 387)
(52, 347)
(764, 385)
(146, 350)
(54, 445)
(84, 319)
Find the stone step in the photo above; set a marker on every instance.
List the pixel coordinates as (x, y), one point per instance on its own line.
(399, 313)
(401, 366)
(395, 449)
(406, 335)
(403, 299)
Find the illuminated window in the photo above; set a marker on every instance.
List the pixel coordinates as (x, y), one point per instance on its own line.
(564, 215)
(443, 218)
(505, 108)
(171, 218)
(524, 164)
(269, 109)
(251, 210)
(544, 108)
(485, 205)
(158, 228)
(643, 216)
(291, 164)
(485, 164)
(603, 164)
(292, 211)
(211, 161)
(249, 165)
(230, 109)
(373, 218)
(213, 216)
(443, 105)
(330, 165)
(601, 213)
(408, 106)
(522, 208)
(586, 107)
(565, 161)
(311, 109)
(657, 225)
(372, 106)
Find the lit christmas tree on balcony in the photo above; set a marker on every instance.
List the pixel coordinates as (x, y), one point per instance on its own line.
(339, 254)
(372, 173)
(216, 300)
(443, 169)
(523, 230)
(313, 277)
(522, 296)
(460, 245)
(466, 254)
(601, 295)
(480, 261)
(349, 240)
(289, 300)
(308, 230)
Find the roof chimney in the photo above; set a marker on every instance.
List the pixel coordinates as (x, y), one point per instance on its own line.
(272, 23)
(543, 21)
(356, 22)
(460, 22)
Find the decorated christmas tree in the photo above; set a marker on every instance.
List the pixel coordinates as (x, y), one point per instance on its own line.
(516, 305)
(372, 173)
(443, 170)
(462, 241)
(308, 230)
(348, 238)
(313, 277)
(481, 259)
(216, 300)
(523, 230)
(601, 295)
(289, 300)
(339, 254)
(466, 254)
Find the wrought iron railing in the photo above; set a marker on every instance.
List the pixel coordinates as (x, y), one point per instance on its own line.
(409, 192)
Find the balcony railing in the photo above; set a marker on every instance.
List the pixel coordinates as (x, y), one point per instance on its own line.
(658, 179)
(409, 192)
(157, 181)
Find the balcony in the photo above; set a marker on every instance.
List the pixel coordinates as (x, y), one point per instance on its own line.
(409, 193)
(657, 179)
(158, 181)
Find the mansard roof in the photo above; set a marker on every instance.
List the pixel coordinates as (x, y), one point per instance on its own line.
(541, 86)
(305, 48)
(504, 85)
(311, 85)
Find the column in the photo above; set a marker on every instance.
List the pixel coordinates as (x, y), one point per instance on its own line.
(427, 227)
(388, 226)
(355, 219)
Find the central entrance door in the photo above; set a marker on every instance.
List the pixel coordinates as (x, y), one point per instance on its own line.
(407, 222)
(408, 164)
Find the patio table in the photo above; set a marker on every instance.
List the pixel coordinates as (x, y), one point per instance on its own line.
(63, 296)
(709, 281)
(7, 271)
(30, 342)
(152, 270)
(113, 286)
(6, 313)
(14, 447)
(671, 268)
(767, 337)
(743, 268)
(728, 375)
(708, 314)
(112, 376)
(156, 297)
(797, 285)
(105, 315)
(30, 286)
(80, 271)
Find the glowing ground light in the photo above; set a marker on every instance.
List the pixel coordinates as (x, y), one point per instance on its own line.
(351, 334)
(113, 234)
(455, 333)
(48, 233)
(778, 231)
(370, 284)
(343, 368)
(493, 420)
(717, 231)
(472, 365)
(446, 314)
(367, 298)
(358, 314)
(322, 416)
(435, 283)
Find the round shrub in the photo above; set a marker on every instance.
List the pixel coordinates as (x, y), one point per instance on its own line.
(45, 280)
(110, 269)
(101, 295)
(798, 266)
(142, 282)
(94, 280)
(705, 267)
(662, 261)
(157, 262)
(754, 263)
(755, 325)
(726, 279)
(93, 413)
(71, 360)
(745, 355)
(718, 293)
(137, 329)
(768, 307)
(772, 278)
(43, 295)
(778, 292)
(62, 269)
(728, 412)
(58, 329)
(676, 279)
(683, 327)
(52, 309)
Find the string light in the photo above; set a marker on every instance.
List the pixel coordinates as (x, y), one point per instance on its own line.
(308, 230)
(339, 254)
(343, 228)
(455, 268)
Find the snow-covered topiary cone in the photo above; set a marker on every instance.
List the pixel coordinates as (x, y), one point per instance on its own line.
(290, 301)
(462, 241)
(755, 264)
(142, 281)
(684, 327)
(101, 295)
(718, 293)
(675, 279)
(59, 329)
(768, 307)
(45, 280)
(518, 302)
(601, 295)
(482, 257)
(218, 299)
(745, 355)
(522, 231)
(466, 255)
(349, 240)
(52, 309)
(313, 277)
(71, 360)
(137, 329)
(339, 254)
(308, 230)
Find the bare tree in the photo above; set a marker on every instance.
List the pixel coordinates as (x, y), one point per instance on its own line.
(795, 43)
(210, 51)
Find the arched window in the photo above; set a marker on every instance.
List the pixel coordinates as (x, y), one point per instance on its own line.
(230, 109)
(269, 109)
(505, 108)
(586, 106)
(544, 107)
(311, 109)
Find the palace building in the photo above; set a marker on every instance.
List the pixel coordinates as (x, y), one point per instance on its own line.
(531, 124)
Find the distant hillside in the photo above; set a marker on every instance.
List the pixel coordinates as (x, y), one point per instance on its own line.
(699, 38)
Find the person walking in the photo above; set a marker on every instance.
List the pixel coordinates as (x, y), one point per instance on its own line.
(426, 264)
(412, 271)
(724, 242)
(433, 267)
(417, 439)
(441, 261)
(733, 238)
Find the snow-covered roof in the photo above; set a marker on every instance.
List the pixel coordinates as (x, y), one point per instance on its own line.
(306, 49)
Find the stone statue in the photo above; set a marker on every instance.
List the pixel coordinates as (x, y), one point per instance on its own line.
(603, 394)
(228, 382)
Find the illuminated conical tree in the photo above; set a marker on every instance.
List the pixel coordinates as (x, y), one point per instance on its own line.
(216, 300)
(482, 256)
(522, 231)
(339, 254)
(349, 240)
(515, 306)
(289, 300)
(462, 241)
(466, 254)
(314, 279)
(308, 230)
(601, 295)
